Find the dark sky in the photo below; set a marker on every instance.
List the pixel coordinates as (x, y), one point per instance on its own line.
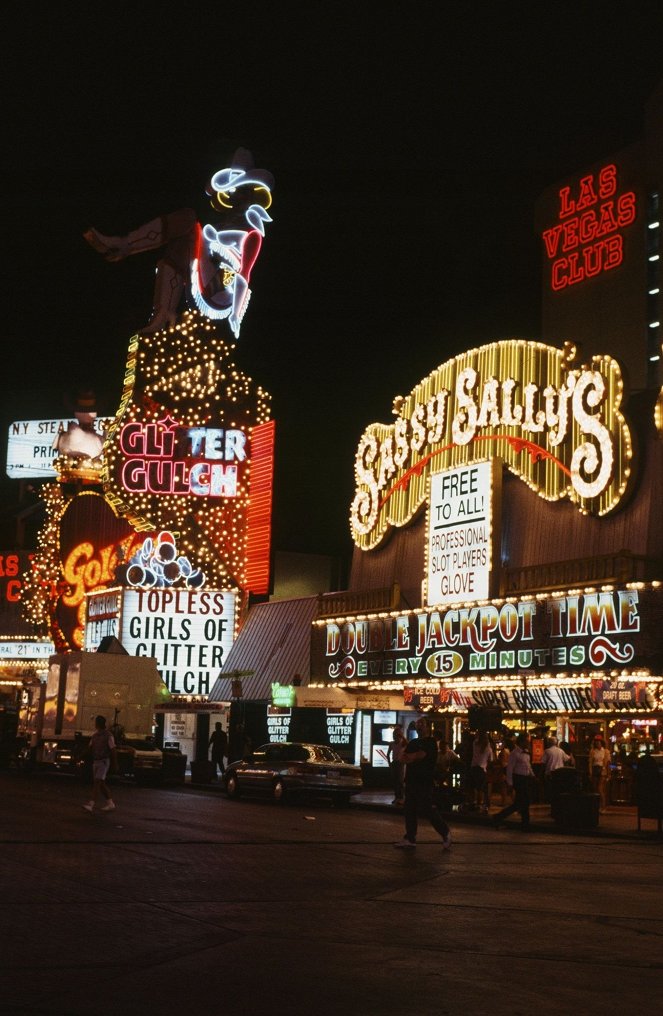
(408, 142)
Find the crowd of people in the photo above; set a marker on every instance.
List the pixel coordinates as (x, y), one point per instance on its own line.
(484, 769)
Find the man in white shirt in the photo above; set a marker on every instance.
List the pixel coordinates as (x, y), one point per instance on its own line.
(554, 757)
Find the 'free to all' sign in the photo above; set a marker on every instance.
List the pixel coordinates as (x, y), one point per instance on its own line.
(459, 534)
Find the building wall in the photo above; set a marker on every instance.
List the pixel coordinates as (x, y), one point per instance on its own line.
(612, 311)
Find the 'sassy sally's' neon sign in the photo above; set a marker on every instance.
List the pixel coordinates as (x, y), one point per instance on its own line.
(166, 458)
(554, 423)
(586, 240)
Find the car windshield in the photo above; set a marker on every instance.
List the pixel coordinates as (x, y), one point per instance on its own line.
(273, 753)
(321, 753)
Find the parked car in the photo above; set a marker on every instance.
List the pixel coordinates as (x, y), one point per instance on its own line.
(289, 769)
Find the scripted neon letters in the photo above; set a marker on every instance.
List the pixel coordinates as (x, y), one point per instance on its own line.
(555, 424)
(166, 458)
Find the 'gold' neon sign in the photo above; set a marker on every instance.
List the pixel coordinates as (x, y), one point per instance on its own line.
(555, 424)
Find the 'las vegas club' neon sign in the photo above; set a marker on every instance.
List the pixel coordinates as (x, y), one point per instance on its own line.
(587, 240)
(165, 457)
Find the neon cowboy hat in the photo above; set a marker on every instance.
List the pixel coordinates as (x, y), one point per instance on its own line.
(241, 173)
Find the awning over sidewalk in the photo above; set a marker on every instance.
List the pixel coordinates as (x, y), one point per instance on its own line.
(274, 645)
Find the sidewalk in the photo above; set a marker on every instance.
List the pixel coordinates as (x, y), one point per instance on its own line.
(618, 820)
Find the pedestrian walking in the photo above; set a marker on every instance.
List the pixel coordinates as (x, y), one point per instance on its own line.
(218, 742)
(599, 770)
(102, 752)
(497, 775)
(420, 758)
(518, 775)
(395, 752)
(482, 756)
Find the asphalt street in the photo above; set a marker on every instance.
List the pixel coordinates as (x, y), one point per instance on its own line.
(182, 902)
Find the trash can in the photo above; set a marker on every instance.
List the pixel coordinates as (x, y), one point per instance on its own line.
(577, 811)
(202, 771)
(649, 789)
(565, 780)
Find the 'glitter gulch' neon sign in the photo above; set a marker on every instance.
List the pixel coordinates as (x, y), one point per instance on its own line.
(166, 458)
(587, 239)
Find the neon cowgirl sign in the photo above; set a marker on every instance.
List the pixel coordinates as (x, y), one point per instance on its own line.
(586, 240)
(166, 458)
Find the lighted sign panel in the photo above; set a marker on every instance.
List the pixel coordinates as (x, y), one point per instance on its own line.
(590, 633)
(31, 446)
(15, 649)
(460, 535)
(542, 698)
(340, 727)
(555, 424)
(102, 617)
(15, 570)
(188, 632)
(185, 448)
(587, 238)
(278, 724)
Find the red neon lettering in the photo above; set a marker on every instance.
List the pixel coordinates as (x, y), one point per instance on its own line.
(567, 205)
(558, 278)
(626, 209)
(587, 231)
(578, 236)
(607, 221)
(587, 194)
(13, 593)
(551, 240)
(614, 252)
(593, 257)
(607, 181)
(576, 273)
(160, 477)
(133, 476)
(591, 261)
(570, 234)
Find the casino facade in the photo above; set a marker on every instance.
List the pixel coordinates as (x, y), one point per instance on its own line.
(506, 520)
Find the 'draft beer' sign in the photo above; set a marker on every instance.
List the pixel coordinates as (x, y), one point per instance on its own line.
(553, 422)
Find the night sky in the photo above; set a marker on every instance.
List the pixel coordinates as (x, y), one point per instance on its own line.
(408, 142)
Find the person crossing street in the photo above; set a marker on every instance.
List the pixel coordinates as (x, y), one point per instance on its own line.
(420, 757)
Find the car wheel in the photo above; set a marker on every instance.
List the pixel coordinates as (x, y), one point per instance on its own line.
(341, 800)
(278, 791)
(232, 786)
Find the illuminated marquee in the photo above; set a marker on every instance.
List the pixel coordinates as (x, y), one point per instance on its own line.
(189, 632)
(590, 633)
(555, 424)
(587, 239)
(545, 698)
